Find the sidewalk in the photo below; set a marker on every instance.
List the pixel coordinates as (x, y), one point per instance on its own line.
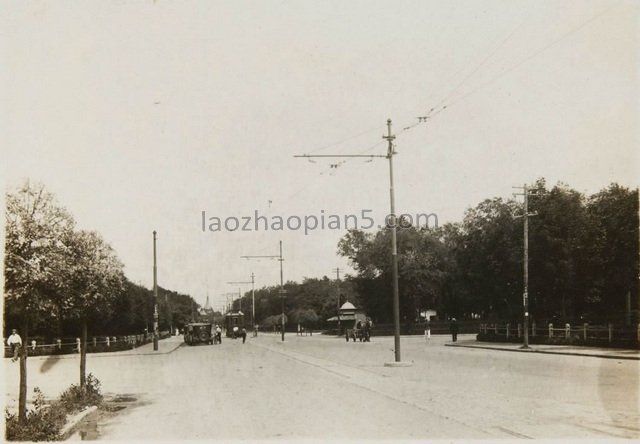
(609, 353)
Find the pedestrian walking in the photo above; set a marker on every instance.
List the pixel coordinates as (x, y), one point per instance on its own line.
(15, 342)
(453, 328)
(244, 334)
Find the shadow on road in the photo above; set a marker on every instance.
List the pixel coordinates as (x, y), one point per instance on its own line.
(49, 363)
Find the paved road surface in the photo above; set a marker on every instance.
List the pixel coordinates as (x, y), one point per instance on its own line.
(322, 387)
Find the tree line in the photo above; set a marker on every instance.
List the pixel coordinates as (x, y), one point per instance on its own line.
(583, 259)
(60, 280)
(583, 264)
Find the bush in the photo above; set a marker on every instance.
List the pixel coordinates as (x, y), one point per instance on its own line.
(75, 398)
(43, 423)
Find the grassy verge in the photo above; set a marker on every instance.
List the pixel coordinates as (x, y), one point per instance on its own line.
(45, 421)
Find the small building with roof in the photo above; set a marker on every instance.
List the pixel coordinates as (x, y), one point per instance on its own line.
(348, 315)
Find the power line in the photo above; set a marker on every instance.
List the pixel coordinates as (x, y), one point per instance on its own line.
(438, 108)
(537, 53)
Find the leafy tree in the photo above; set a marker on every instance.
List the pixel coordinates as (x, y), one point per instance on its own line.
(34, 251)
(304, 316)
(94, 279)
(423, 265)
(614, 269)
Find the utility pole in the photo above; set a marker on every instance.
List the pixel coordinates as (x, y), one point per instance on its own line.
(253, 305)
(155, 296)
(229, 296)
(253, 296)
(525, 292)
(394, 253)
(337, 270)
(394, 249)
(282, 291)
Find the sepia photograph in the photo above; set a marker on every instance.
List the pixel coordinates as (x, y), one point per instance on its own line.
(320, 221)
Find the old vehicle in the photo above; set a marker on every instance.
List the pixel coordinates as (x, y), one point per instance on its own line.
(234, 322)
(361, 330)
(198, 332)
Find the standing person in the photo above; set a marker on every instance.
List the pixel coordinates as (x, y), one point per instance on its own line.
(244, 334)
(218, 334)
(15, 342)
(427, 329)
(453, 328)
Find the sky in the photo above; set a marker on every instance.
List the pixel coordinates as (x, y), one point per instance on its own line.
(142, 115)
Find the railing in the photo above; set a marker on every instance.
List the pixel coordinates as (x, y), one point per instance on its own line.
(94, 344)
(584, 332)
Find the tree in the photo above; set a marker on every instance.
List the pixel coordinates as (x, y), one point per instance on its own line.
(94, 279)
(423, 263)
(614, 269)
(34, 250)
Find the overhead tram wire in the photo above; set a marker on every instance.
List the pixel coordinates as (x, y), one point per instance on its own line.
(529, 57)
(377, 127)
(448, 101)
(480, 65)
(434, 111)
(438, 107)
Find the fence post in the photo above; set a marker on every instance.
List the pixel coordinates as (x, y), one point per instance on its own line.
(519, 329)
(33, 344)
(94, 341)
(78, 344)
(610, 332)
(59, 343)
(584, 330)
(507, 331)
(533, 328)
(638, 331)
(495, 329)
(567, 331)
(550, 329)
(108, 342)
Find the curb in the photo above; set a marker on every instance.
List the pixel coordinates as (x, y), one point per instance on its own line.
(548, 352)
(74, 421)
(106, 354)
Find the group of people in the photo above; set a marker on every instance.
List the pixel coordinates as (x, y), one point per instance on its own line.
(364, 329)
(453, 329)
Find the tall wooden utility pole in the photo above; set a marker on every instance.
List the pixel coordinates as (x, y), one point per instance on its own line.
(394, 252)
(155, 296)
(337, 270)
(525, 289)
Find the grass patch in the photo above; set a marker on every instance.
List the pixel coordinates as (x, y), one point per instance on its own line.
(45, 421)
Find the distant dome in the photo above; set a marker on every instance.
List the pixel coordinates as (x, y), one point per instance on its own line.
(347, 306)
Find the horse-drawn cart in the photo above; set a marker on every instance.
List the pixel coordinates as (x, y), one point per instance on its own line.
(361, 331)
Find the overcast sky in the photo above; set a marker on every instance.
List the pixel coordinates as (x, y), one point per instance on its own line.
(139, 115)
